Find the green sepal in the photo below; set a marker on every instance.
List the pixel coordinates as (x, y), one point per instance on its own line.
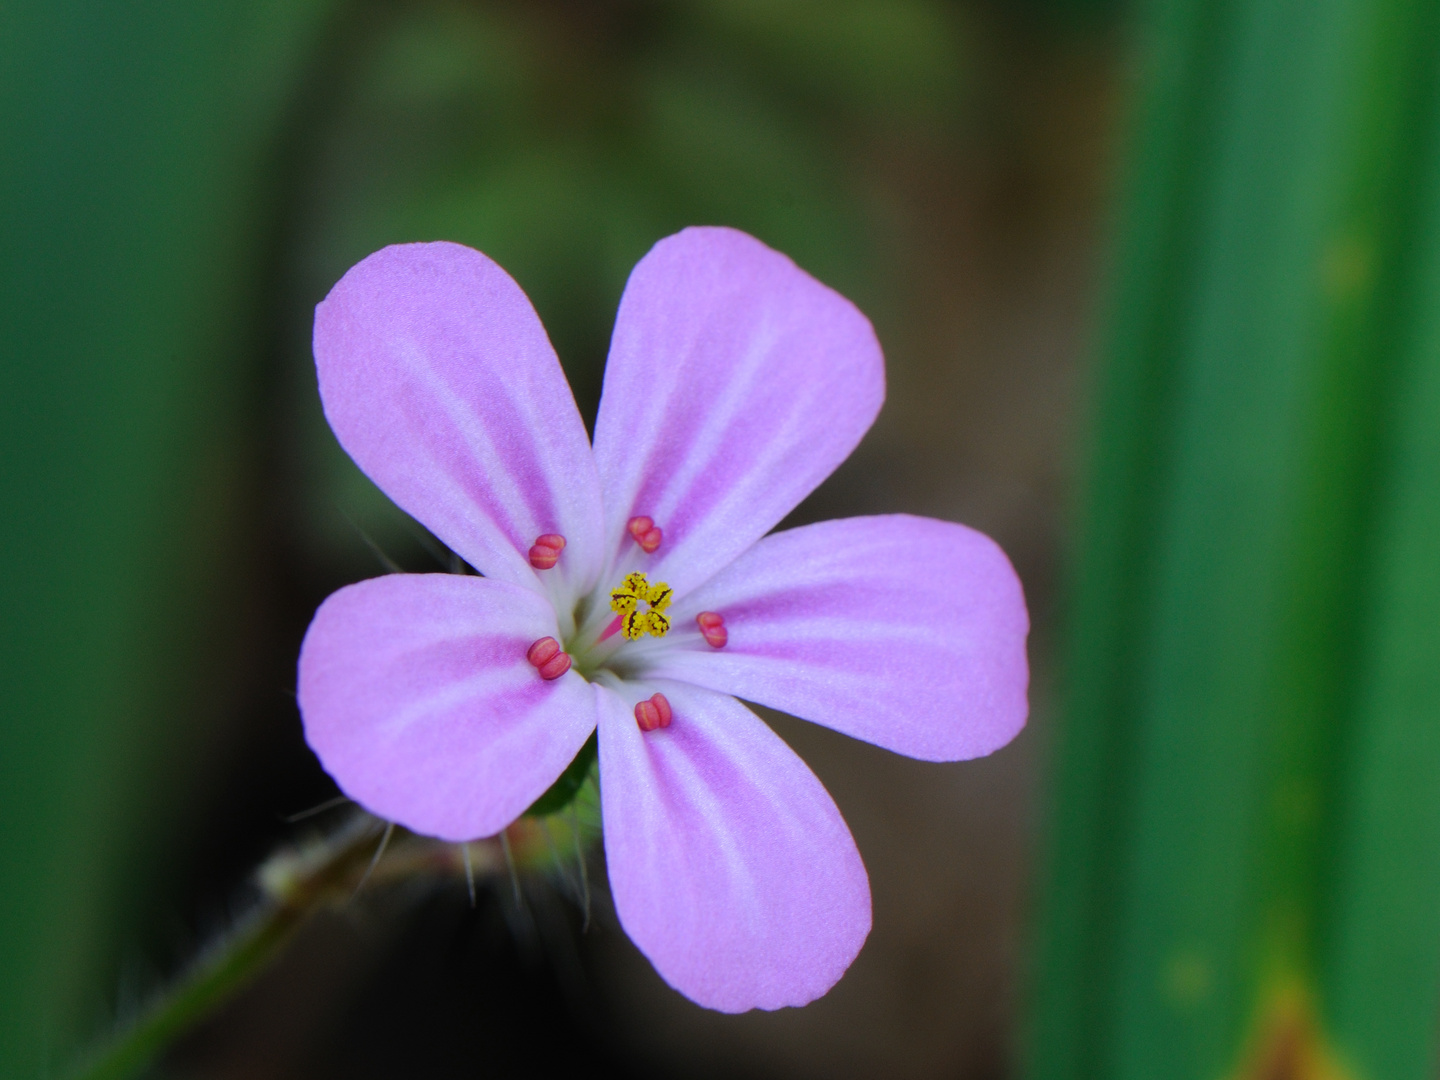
(562, 793)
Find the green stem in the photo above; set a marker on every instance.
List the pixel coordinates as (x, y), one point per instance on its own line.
(295, 885)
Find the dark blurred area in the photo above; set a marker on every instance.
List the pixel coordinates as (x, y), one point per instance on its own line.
(945, 166)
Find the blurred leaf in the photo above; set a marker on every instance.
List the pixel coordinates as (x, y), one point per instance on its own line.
(1239, 775)
(132, 145)
(884, 55)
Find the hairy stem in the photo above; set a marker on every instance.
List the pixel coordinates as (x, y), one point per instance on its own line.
(294, 884)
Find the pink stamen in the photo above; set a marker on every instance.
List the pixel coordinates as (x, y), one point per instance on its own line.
(712, 626)
(613, 628)
(546, 551)
(556, 666)
(545, 655)
(539, 653)
(654, 713)
(645, 533)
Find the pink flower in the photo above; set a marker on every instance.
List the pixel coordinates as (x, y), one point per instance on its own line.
(736, 383)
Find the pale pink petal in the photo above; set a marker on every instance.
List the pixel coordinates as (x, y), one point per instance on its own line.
(903, 631)
(730, 866)
(736, 383)
(440, 382)
(418, 699)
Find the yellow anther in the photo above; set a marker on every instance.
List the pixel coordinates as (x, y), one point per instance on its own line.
(631, 591)
(635, 624)
(625, 601)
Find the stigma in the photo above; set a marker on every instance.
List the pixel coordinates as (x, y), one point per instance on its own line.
(637, 621)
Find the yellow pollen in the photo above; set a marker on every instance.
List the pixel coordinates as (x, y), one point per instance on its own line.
(625, 601)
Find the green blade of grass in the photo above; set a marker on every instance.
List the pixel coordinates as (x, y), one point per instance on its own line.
(1237, 775)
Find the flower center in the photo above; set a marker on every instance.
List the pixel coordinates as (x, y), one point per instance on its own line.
(637, 621)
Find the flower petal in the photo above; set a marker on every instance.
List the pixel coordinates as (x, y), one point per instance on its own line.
(730, 866)
(736, 383)
(903, 631)
(418, 699)
(439, 381)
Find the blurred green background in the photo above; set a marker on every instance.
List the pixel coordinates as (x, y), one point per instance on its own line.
(1158, 288)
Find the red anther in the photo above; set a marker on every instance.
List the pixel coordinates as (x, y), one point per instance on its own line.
(556, 666)
(647, 715)
(546, 551)
(654, 713)
(543, 651)
(712, 626)
(644, 532)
